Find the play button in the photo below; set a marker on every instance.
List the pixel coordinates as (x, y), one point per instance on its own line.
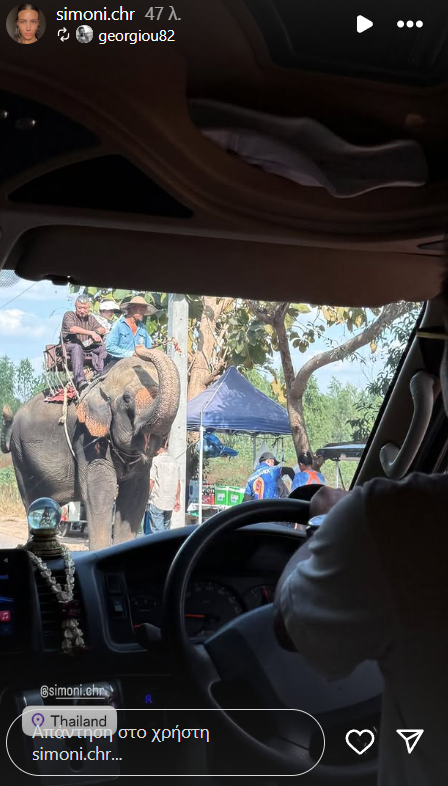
(363, 24)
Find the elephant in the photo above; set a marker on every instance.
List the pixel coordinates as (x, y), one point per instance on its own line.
(108, 441)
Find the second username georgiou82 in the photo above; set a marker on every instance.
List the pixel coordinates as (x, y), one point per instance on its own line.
(119, 15)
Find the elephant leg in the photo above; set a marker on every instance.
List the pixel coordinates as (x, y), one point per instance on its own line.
(131, 504)
(98, 484)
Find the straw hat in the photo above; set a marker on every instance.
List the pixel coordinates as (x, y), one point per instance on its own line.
(137, 300)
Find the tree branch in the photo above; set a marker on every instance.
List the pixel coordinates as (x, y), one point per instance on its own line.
(261, 314)
(388, 315)
(215, 373)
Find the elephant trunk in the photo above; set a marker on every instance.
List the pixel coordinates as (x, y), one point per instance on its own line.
(158, 418)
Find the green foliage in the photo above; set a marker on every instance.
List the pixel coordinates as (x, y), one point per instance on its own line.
(392, 345)
(259, 381)
(247, 334)
(367, 408)
(18, 382)
(7, 392)
(328, 415)
(26, 383)
(7, 477)
(247, 341)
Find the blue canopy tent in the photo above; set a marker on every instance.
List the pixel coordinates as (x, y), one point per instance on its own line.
(233, 405)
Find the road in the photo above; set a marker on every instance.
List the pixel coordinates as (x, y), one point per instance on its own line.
(6, 542)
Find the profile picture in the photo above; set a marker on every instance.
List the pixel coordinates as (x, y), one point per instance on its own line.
(26, 23)
(84, 34)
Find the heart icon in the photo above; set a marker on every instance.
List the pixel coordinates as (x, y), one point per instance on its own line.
(360, 746)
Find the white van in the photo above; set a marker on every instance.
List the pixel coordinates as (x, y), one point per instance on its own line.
(73, 520)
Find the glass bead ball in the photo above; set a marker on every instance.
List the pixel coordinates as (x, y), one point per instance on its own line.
(44, 514)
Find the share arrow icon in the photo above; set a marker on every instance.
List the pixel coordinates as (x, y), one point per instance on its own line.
(411, 737)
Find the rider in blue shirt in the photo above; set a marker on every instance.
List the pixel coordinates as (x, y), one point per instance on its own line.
(306, 475)
(130, 331)
(262, 484)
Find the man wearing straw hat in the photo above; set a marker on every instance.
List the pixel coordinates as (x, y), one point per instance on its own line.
(130, 331)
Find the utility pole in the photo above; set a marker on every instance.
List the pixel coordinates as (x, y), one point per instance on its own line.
(178, 329)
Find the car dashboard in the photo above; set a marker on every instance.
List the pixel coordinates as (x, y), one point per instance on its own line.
(240, 575)
(119, 592)
(121, 588)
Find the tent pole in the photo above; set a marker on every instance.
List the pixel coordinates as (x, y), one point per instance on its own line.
(254, 451)
(201, 469)
(337, 473)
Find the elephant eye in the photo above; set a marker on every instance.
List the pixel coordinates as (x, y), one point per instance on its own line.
(127, 398)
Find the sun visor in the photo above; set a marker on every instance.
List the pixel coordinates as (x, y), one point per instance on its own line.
(261, 271)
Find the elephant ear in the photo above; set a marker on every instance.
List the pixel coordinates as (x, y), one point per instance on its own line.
(95, 412)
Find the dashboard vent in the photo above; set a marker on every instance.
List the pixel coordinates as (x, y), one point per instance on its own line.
(50, 613)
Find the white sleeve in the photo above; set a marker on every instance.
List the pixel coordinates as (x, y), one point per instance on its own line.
(153, 471)
(337, 606)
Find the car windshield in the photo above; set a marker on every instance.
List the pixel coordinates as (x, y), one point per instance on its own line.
(292, 380)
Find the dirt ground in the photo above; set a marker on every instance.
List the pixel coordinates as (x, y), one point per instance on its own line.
(14, 532)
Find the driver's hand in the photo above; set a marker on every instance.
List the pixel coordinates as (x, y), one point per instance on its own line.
(96, 337)
(325, 499)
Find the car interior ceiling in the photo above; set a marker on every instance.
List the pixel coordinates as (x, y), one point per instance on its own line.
(208, 202)
(109, 177)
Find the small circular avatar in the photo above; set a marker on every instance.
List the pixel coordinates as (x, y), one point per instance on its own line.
(84, 34)
(25, 24)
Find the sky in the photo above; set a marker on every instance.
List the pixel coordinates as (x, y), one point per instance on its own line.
(31, 315)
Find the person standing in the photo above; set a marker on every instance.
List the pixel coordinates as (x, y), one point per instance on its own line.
(164, 492)
(81, 332)
(129, 331)
(263, 483)
(306, 475)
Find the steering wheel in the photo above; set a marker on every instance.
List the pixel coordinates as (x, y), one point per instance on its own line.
(246, 650)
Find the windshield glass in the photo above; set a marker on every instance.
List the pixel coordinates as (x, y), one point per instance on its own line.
(260, 378)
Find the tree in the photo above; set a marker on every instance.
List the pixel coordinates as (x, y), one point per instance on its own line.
(26, 383)
(224, 331)
(392, 343)
(282, 319)
(18, 383)
(7, 394)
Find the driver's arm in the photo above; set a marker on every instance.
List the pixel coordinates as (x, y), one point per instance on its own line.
(336, 607)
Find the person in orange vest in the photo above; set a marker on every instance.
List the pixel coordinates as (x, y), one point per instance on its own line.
(306, 476)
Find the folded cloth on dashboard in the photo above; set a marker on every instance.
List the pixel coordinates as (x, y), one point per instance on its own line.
(327, 161)
(307, 152)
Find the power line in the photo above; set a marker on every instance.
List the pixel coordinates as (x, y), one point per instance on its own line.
(19, 295)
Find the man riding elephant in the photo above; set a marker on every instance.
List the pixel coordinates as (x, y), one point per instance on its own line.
(81, 332)
(129, 331)
(110, 438)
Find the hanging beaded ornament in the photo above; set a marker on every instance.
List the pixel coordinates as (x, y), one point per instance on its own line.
(44, 516)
